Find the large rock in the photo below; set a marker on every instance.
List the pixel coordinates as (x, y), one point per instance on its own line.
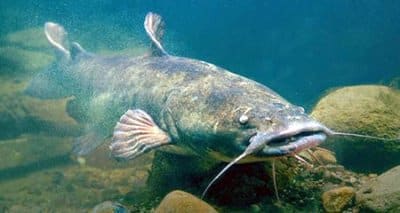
(28, 153)
(17, 61)
(20, 114)
(180, 201)
(382, 194)
(371, 110)
(69, 188)
(33, 38)
(24, 52)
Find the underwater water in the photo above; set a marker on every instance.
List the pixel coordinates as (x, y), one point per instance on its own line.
(299, 49)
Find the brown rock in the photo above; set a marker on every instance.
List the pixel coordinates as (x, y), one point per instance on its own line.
(381, 194)
(20, 114)
(32, 152)
(336, 200)
(180, 201)
(325, 156)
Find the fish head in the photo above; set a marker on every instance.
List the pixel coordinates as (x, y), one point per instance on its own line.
(282, 129)
(266, 126)
(277, 128)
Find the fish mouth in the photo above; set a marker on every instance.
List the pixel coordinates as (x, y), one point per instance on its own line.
(294, 139)
(294, 144)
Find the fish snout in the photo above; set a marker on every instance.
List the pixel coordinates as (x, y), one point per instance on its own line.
(290, 140)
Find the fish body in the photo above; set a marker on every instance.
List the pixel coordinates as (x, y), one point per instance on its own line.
(192, 106)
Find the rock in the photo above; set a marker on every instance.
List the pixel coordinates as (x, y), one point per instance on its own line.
(68, 187)
(28, 153)
(109, 207)
(381, 194)
(20, 208)
(371, 110)
(33, 38)
(320, 156)
(180, 201)
(16, 61)
(336, 200)
(25, 52)
(325, 156)
(21, 114)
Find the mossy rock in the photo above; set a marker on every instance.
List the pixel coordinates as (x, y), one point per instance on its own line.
(30, 152)
(180, 201)
(31, 38)
(24, 52)
(20, 114)
(17, 61)
(64, 187)
(371, 110)
(335, 200)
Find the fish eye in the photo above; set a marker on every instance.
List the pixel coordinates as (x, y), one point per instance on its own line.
(243, 119)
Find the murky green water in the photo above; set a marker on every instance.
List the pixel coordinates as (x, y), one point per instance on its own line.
(298, 49)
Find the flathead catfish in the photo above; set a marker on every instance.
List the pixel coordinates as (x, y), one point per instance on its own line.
(162, 100)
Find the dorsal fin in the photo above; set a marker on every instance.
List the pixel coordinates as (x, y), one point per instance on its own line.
(57, 37)
(154, 26)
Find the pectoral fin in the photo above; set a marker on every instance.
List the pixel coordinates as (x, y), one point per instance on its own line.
(88, 142)
(136, 133)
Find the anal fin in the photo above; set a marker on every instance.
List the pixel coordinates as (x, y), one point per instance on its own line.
(135, 134)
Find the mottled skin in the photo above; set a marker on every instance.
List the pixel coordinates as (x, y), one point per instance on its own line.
(198, 104)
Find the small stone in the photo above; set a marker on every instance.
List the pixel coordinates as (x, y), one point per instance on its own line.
(353, 180)
(180, 201)
(255, 208)
(336, 200)
(81, 161)
(109, 207)
(325, 156)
